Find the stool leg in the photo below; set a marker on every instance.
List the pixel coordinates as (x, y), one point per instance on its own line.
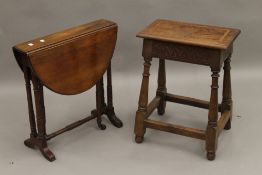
(161, 89)
(41, 119)
(227, 103)
(142, 104)
(99, 105)
(31, 112)
(110, 108)
(211, 139)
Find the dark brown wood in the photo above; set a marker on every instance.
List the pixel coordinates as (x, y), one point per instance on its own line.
(161, 89)
(227, 103)
(99, 104)
(191, 43)
(188, 53)
(103, 93)
(66, 35)
(68, 62)
(190, 34)
(189, 101)
(31, 112)
(70, 127)
(110, 111)
(142, 104)
(212, 134)
(225, 116)
(41, 119)
(176, 129)
(51, 60)
(152, 106)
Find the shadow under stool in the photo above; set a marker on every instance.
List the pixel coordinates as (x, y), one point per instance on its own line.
(191, 43)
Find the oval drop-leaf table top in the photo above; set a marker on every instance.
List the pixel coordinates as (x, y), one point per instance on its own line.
(72, 61)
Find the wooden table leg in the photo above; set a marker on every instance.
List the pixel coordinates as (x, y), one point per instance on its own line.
(142, 104)
(161, 89)
(227, 103)
(110, 108)
(99, 107)
(31, 112)
(41, 120)
(103, 93)
(212, 134)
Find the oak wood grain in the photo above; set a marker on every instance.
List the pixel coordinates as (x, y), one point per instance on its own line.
(190, 33)
(63, 36)
(176, 129)
(68, 62)
(72, 61)
(196, 44)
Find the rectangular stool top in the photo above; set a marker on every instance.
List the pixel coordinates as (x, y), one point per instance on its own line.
(190, 34)
(56, 38)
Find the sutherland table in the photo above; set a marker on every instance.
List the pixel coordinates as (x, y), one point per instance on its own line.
(68, 62)
(192, 43)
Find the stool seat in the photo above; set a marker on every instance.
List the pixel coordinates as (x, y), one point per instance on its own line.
(189, 33)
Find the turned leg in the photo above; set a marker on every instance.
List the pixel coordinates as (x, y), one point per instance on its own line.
(99, 104)
(161, 89)
(103, 93)
(142, 104)
(227, 103)
(41, 120)
(110, 108)
(212, 131)
(33, 133)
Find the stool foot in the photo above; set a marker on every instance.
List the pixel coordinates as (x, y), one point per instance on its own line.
(161, 110)
(211, 155)
(139, 139)
(228, 125)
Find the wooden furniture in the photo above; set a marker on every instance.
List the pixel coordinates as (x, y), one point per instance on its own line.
(192, 43)
(68, 62)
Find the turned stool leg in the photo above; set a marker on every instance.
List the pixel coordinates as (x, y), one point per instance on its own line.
(33, 133)
(110, 108)
(161, 89)
(227, 103)
(142, 104)
(99, 104)
(212, 132)
(41, 119)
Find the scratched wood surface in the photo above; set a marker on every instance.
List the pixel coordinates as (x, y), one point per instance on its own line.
(71, 61)
(189, 33)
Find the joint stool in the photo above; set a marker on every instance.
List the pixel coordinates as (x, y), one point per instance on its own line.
(68, 62)
(191, 43)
